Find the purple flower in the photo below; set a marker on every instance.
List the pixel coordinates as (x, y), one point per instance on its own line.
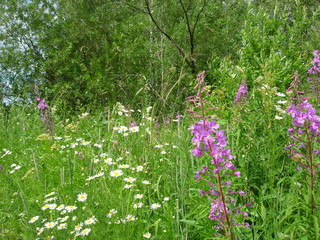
(210, 141)
(242, 94)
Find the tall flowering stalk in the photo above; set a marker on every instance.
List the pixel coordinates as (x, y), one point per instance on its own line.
(43, 109)
(210, 141)
(314, 72)
(305, 135)
(242, 94)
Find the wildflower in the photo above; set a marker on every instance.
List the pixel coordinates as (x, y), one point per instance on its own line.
(82, 197)
(83, 115)
(40, 230)
(116, 173)
(45, 207)
(103, 155)
(85, 232)
(139, 168)
(50, 224)
(70, 208)
(155, 206)
(62, 226)
(242, 94)
(210, 141)
(305, 131)
(146, 182)
(111, 213)
(52, 206)
(130, 218)
(108, 161)
(280, 94)
(97, 145)
(278, 117)
(95, 160)
(166, 199)
(138, 196)
(147, 235)
(282, 102)
(60, 207)
(64, 219)
(90, 221)
(134, 129)
(78, 227)
(128, 186)
(124, 166)
(33, 219)
(50, 194)
(130, 179)
(85, 143)
(122, 129)
(138, 205)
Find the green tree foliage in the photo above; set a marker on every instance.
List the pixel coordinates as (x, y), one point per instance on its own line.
(91, 54)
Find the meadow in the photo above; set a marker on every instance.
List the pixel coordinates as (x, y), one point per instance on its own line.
(127, 173)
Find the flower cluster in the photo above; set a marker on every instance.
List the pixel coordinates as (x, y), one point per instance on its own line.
(43, 108)
(306, 129)
(315, 68)
(304, 135)
(242, 94)
(210, 141)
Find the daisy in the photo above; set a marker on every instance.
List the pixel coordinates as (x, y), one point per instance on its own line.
(147, 235)
(134, 129)
(78, 227)
(97, 145)
(45, 207)
(155, 206)
(85, 143)
(82, 197)
(62, 226)
(108, 161)
(146, 182)
(130, 179)
(124, 166)
(138, 196)
(52, 206)
(33, 219)
(139, 168)
(103, 155)
(116, 173)
(95, 160)
(130, 218)
(122, 129)
(70, 208)
(50, 194)
(128, 186)
(50, 224)
(111, 212)
(64, 219)
(138, 205)
(90, 221)
(85, 232)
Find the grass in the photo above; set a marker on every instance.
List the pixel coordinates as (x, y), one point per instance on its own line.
(159, 154)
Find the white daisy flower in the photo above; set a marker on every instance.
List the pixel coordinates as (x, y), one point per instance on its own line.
(155, 206)
(138, 196)
(147, 235)
(33, 219)
(116, 173)
(130, 179)
(50, 224)
(82, 197)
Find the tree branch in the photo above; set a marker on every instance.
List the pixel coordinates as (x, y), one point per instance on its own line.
(180, 49)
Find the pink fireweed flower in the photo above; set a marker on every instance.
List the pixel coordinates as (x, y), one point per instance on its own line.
(242, 94)
(305, 137)
(209, 140)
